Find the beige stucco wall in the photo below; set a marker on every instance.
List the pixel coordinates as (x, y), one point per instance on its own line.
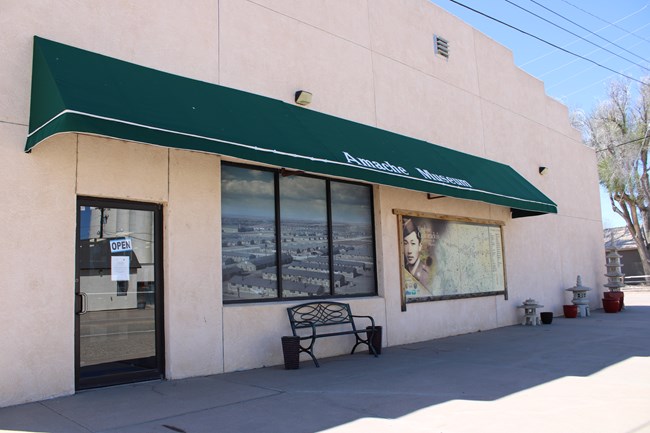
(193, 319)
(37, 268)
(366, 61)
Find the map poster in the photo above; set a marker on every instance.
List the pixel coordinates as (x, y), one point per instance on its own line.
(447, 258)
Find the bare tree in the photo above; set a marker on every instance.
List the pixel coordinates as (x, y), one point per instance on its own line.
(618, 128)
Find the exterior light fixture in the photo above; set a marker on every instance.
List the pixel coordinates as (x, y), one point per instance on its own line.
(543, 170)
(303, 97)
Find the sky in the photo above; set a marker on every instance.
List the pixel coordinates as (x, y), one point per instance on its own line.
(613, 34)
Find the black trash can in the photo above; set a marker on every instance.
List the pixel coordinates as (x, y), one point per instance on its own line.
(547, 317)
(376, 339)
(291, 352)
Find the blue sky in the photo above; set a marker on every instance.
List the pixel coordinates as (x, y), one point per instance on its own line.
(622, 45)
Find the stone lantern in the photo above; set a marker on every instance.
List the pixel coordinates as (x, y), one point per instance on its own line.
(580, 297)
(530, 307)
(615, 278)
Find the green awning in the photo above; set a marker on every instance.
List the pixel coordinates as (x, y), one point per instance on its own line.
(83, 92)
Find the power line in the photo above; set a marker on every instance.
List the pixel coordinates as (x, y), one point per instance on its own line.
(600, 29)
(577, 74)
(605, 21)
(547, 42)
(590, 52)
(621, 144)
(586, 29)
(576, 35)
(580, 73)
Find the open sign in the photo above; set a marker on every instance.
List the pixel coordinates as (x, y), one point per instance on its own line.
(119, 245)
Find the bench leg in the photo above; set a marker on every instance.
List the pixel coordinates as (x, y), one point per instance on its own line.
(371, 348)
(371, 336)
(313, 357)
(310, 351)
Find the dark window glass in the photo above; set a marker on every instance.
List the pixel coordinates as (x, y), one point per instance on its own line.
(324, 244)
(248, 234)
(303, 216)
(353, 249)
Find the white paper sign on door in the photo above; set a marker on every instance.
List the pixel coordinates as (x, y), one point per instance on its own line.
(120, 268)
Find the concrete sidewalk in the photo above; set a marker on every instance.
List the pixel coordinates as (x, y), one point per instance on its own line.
(575, 375)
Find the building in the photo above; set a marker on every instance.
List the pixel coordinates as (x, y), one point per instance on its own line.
(621, 239)
(172, 132)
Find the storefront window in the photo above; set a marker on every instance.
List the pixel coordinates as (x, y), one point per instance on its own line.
(303, 216)
(352, 238)
(248, 237)
(323, 231)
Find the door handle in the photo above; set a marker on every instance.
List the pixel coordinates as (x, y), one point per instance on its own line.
(82, 303)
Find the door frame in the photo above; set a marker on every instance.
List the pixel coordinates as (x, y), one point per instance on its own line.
(128, 377)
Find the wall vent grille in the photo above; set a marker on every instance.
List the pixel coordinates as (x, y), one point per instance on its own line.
(441, 46)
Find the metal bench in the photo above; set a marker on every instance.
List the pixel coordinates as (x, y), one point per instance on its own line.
(328, 319)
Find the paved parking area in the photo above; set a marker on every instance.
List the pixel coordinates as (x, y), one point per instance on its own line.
(575, 375)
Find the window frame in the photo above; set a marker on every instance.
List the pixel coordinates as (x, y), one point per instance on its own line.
(277, 173)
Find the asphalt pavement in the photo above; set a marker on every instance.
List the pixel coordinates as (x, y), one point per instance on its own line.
(575, 375)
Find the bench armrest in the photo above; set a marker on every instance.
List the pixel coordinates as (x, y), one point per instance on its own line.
(372, 321)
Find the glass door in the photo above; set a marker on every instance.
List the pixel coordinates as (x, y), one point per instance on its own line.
(118, 293)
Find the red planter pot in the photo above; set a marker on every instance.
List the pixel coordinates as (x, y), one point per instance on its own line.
(611, 305)
(570, 311)
(615, 295)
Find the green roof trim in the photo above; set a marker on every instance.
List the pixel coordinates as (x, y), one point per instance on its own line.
(78, 91)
